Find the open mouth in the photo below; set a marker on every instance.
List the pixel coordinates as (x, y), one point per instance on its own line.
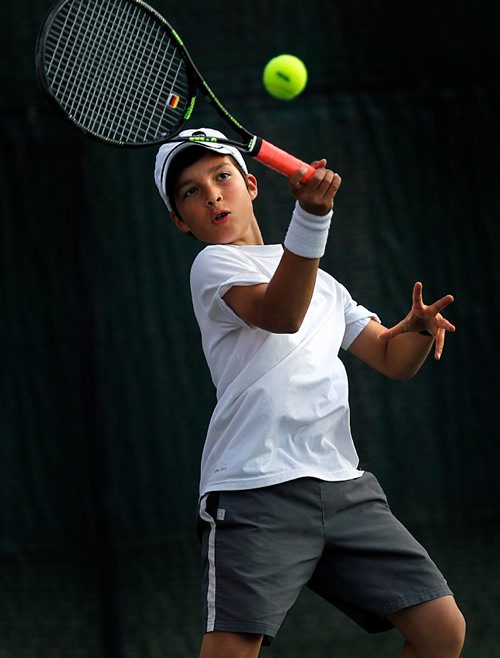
(221, 216)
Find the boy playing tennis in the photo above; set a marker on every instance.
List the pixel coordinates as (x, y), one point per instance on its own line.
(282, 501)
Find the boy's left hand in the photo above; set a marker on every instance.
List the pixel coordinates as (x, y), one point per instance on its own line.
(424, 318)
(317, 194)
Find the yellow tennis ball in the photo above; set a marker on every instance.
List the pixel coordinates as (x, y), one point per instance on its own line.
(285, 77)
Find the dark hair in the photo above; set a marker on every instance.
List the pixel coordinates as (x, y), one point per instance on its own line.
(184, 159)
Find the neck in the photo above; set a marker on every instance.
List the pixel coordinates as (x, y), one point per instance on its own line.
(252, 236)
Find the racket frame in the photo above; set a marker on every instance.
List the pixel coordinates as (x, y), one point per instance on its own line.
(252, 145)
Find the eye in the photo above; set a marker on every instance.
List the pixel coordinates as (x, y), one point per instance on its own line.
(189, 192)
(224, 175)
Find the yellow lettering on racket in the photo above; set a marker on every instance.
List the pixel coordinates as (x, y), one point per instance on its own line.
(190, 108)
(177, 37)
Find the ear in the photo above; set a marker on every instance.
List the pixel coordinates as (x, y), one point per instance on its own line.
(253, 189)
(179, 222)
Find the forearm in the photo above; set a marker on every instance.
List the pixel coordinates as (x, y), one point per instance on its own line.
(289, 293)
(405, 354)
(281, 305)
(290, 290)
(400, 357)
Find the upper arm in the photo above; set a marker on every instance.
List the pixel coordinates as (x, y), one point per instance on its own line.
(247, 302)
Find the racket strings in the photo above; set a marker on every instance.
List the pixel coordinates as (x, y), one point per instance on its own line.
(147, 74)
(82, 99)
(115, 70)
(116, 77)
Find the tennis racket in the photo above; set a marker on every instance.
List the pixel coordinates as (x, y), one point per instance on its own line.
(120, 73)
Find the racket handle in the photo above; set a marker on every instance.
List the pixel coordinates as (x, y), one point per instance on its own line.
(280, 160)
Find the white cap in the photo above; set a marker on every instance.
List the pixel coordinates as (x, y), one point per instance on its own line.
(168, 151)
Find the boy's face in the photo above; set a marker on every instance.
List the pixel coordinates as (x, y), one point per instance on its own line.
(214, 202)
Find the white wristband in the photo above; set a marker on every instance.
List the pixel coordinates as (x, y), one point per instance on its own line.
(307, 233)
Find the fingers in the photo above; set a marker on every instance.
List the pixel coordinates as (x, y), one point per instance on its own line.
(317, 193)
(443, 302)
(444, 324)
(437, 306)
(417, 294)
(295, 178)
(440, 336)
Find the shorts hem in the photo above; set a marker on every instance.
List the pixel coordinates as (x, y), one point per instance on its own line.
(253, 629)
(415, 598)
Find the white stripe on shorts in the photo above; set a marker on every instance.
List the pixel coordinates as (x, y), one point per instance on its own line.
(205, 516)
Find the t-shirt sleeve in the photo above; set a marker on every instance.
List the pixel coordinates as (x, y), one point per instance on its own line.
(356, 318)
(215, 270)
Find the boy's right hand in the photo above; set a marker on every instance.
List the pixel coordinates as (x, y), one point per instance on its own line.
(317, 194)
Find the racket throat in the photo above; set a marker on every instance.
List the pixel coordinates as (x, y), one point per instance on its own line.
(254, 146)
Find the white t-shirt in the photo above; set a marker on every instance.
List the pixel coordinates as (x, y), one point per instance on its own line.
(282, 399)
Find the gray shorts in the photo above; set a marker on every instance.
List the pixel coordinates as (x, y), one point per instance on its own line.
(260, 547)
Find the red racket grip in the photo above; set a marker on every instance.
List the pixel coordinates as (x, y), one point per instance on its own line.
(280, 160)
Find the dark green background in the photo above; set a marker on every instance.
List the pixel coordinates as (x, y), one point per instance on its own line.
(105, 396)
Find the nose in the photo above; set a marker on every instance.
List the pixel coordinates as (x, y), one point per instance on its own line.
(213, 197)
